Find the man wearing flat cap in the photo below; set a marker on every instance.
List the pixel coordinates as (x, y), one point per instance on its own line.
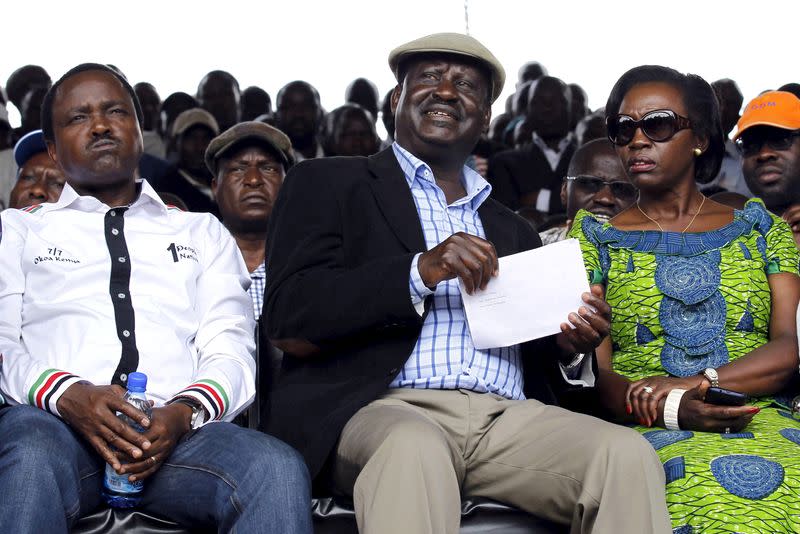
(382, 389)
(190, 180)
(248, 163)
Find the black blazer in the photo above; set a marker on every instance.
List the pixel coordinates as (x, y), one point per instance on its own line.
(342, 235)
(514, 173)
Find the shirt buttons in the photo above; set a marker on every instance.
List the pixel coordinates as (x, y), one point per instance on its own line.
(126, 333)
(120, 295)
(121, 259)
(123, 377)
(114, 231)
(112, 213)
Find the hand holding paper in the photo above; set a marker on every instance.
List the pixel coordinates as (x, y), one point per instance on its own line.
(471, 258)
(531, 297)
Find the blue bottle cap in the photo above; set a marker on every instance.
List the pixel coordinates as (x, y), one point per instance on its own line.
(137, 382)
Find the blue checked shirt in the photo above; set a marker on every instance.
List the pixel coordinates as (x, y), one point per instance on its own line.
(258, 279)
(444, 356)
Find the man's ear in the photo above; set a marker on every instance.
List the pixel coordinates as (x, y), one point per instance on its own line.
(214, 186)
(563, 194)
(398, 89)
(51, 151)
(487, 118)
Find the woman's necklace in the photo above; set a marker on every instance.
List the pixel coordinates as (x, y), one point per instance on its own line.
(687, 226)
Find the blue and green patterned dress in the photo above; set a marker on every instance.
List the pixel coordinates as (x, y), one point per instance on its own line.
(684, 302)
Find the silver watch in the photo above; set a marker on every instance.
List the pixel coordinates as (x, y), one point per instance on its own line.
(712, 376)
(198, 412)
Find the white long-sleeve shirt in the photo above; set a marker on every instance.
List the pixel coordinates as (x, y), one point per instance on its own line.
(91, 293)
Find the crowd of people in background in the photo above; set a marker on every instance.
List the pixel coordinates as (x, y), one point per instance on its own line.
(685, 202)
(525, 154)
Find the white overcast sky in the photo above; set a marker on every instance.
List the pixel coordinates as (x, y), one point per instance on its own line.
(172, 43)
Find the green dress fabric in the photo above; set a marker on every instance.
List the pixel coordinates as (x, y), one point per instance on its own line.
(684, 302)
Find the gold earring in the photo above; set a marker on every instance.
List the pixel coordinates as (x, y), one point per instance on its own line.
(697, 152)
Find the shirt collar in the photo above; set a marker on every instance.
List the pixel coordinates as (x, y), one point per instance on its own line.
(414, 169)
(260, 271)
(538, 141)
(71, 199)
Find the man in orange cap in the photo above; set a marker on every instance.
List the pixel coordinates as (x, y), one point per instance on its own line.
(768, 135)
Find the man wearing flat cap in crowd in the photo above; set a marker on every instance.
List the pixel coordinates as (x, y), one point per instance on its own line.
(382, 389)
(248, 162)
(190, 180)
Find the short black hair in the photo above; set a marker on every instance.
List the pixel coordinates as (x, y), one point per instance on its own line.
(700, 102)
(47, 104)
(300, 84)
(220, 74)
(793, 88)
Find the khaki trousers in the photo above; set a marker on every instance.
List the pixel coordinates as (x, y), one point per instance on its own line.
(407, 457)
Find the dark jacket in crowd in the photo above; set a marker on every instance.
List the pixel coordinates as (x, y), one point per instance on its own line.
(518, 172)
(342, 236)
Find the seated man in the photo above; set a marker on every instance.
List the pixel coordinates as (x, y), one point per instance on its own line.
(596, 182)
(248, 163)
(380, 374)
(39, 179)
(107, 281)
(768, 136)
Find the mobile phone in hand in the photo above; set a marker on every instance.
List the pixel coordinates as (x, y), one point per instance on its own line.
(725, 397)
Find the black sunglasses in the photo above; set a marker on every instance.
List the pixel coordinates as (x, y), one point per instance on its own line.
(659, 126)
(750, 143)
(593, 184)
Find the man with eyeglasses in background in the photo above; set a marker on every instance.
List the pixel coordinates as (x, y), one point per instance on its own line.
(596, 182)
(768, 136)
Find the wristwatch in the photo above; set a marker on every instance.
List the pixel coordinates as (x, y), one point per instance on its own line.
(198, 412)
(712, 376)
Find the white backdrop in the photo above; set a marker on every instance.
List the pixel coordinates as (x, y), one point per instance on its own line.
(172, 43)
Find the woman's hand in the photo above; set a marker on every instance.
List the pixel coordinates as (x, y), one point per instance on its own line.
(643, 396)
(696, 414)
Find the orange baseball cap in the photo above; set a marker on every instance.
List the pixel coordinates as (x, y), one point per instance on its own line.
(773, 108)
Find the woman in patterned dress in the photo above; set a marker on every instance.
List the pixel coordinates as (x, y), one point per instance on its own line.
(696, 285)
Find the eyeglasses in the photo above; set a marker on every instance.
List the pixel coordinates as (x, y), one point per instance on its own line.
(750, 143)
(593, 184)
(659, 126)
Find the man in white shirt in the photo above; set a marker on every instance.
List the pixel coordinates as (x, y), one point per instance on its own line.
(107, 281)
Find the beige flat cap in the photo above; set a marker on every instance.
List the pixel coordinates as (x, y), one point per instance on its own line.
(194, 117)
(452, 43)
(259, 131)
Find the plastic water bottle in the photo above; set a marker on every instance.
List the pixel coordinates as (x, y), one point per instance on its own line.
(118, 491)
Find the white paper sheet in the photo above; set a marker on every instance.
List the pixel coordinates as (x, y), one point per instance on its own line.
(530, 297)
